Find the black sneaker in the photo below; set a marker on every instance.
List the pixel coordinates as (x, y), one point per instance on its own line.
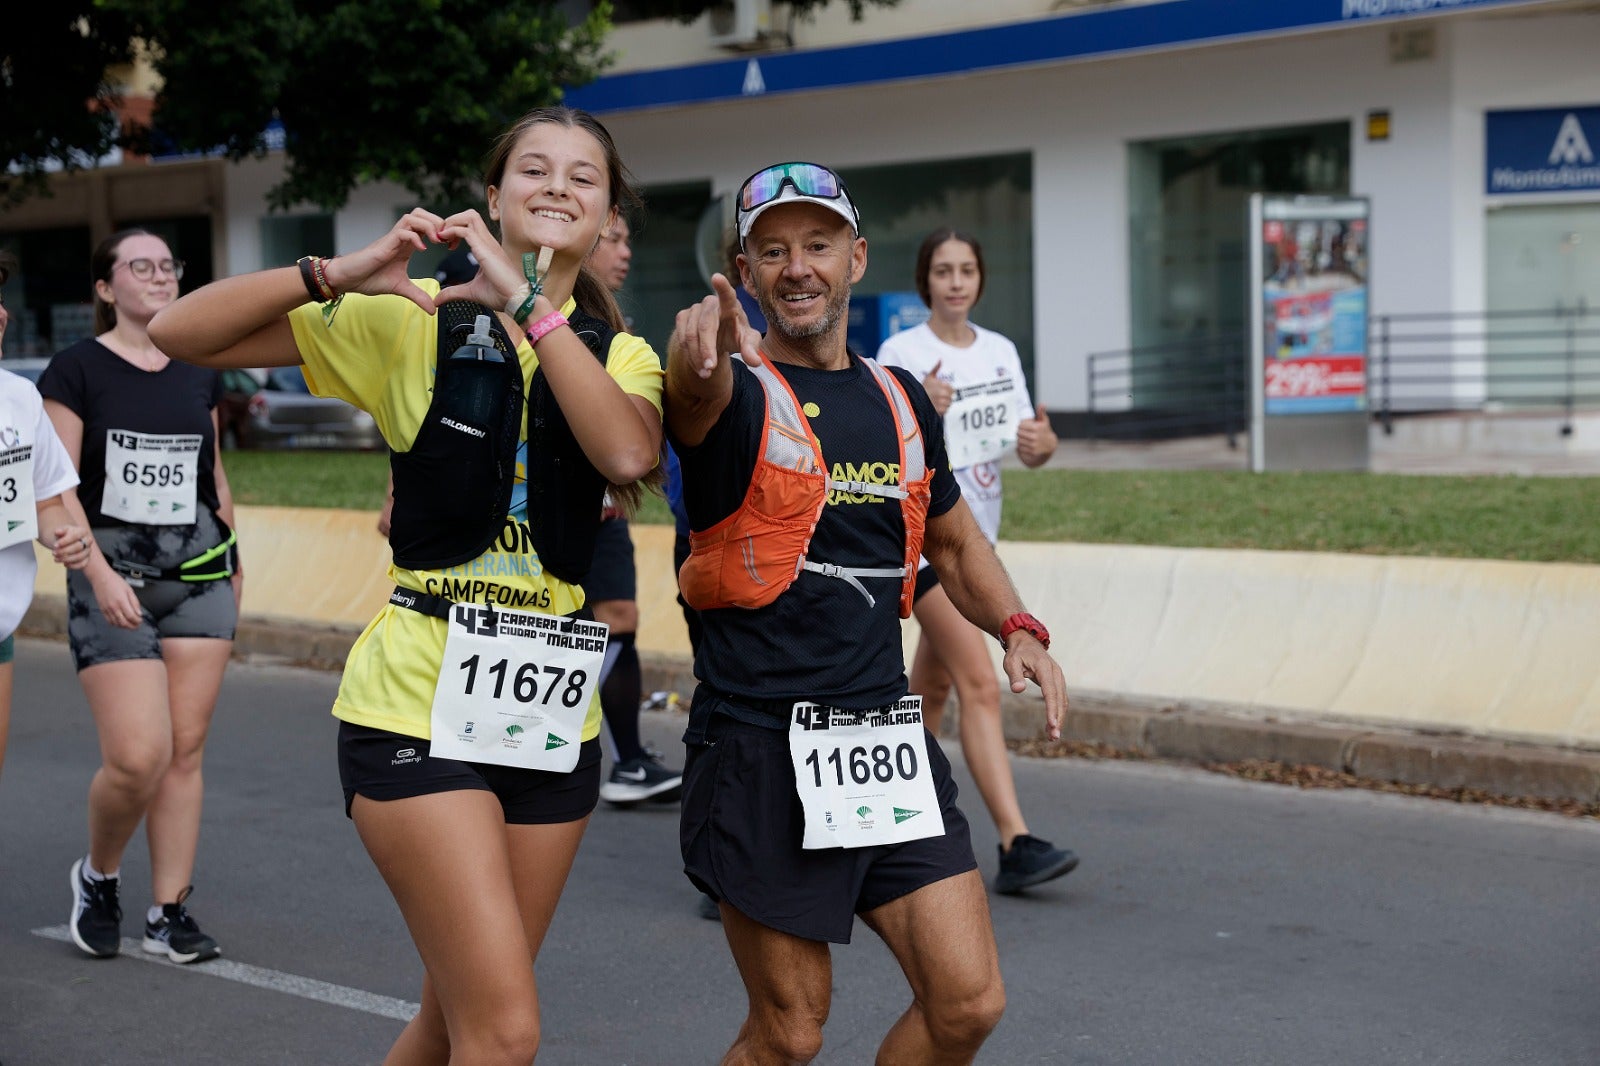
(1031, 861)
(176, 935)
(96, 924)
(640, 779)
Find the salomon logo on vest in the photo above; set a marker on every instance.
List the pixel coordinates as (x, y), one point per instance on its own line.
(453, 424)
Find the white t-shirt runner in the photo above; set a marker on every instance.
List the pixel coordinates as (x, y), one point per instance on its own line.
(991, 394)
(27, 441)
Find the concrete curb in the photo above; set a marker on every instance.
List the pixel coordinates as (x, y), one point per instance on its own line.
(1160, 729)
(1446, 761)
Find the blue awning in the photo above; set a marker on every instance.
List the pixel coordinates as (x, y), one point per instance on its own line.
(1081, 35)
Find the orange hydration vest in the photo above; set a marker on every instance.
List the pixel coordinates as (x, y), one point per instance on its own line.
(749, 558)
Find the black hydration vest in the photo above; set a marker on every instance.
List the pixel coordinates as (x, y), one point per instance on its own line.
(452, 489)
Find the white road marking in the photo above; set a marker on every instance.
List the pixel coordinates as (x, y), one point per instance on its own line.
(275, 980)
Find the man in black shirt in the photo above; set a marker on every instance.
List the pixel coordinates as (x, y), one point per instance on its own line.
(812, 794)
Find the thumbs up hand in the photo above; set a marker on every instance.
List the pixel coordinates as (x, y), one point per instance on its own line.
(1036, 440)
(941, 392)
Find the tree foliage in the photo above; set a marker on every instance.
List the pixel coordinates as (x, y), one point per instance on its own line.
(409, 91)
(55, 97)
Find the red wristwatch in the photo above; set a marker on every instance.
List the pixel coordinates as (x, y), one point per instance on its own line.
(1028, 624)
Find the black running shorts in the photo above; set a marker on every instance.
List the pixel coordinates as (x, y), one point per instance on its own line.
(742, 825)
(612, 575)
(381, 765)
(927, 581)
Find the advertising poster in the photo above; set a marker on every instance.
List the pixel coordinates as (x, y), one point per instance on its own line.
(1314, 307)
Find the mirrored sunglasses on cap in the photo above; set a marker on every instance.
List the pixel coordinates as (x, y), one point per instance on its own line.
(809, 180)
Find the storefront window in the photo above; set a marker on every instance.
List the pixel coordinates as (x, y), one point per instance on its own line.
(990, 197)
(1543, 268)
(48, 298)
(1188, 210)
(285, 238)
(681, 239)
(663, 277)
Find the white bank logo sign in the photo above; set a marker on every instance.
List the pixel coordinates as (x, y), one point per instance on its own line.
(1372, 9)
(1548, 150)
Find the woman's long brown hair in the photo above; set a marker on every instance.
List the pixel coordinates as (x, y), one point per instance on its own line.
(589, 291)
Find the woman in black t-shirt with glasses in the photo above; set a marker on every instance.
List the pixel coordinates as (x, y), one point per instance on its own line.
(151, 619)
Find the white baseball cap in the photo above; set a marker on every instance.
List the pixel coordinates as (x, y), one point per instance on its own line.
(784, 183)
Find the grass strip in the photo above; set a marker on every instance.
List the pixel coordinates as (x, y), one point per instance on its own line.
(1534, 519)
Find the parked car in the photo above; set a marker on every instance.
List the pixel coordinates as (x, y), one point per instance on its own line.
(233, 414)
(282, 413)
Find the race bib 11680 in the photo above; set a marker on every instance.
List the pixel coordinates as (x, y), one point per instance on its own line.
(863, 776)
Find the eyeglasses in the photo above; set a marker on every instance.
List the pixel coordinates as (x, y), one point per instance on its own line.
(807, 179)
(145, 269)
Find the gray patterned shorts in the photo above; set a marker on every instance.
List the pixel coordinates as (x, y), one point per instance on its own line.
(170, 608)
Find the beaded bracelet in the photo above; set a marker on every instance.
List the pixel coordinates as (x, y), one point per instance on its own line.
(320, 272)
(309, 275)
(546, 325)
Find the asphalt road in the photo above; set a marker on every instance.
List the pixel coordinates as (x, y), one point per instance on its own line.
(1212, 920)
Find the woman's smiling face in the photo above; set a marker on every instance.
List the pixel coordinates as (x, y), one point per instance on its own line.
(134, 297)
(554, 191)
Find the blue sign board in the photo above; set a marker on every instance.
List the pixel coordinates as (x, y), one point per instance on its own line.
(875, 318)
(1077, 35)
(1549, 149)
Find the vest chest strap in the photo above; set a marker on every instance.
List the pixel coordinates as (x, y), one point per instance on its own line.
(864, 488)
(852, 573)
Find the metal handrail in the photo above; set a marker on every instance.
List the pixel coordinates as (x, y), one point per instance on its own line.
(1401, 377)
(1203, 382)
(1196, 384)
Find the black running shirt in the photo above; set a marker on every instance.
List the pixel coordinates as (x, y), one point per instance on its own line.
(108, 392)
(819, 640)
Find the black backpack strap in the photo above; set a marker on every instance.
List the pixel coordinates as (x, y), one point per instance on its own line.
(565, 491)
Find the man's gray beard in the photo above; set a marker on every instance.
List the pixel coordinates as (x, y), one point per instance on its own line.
(838, 304)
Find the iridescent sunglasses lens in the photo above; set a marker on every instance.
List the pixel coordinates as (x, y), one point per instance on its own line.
(808, 179)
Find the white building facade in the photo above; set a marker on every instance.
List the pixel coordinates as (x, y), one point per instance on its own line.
(1102, 152)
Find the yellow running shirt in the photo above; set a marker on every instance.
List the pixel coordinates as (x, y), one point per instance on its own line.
(379, 354)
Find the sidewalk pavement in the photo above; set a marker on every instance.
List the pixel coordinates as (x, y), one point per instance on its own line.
(1403, 455)
(1157, 729)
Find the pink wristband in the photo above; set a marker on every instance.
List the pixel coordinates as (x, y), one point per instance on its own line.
(537, 332)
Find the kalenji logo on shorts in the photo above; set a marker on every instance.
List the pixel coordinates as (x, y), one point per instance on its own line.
(453, 424)
(405, 755)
